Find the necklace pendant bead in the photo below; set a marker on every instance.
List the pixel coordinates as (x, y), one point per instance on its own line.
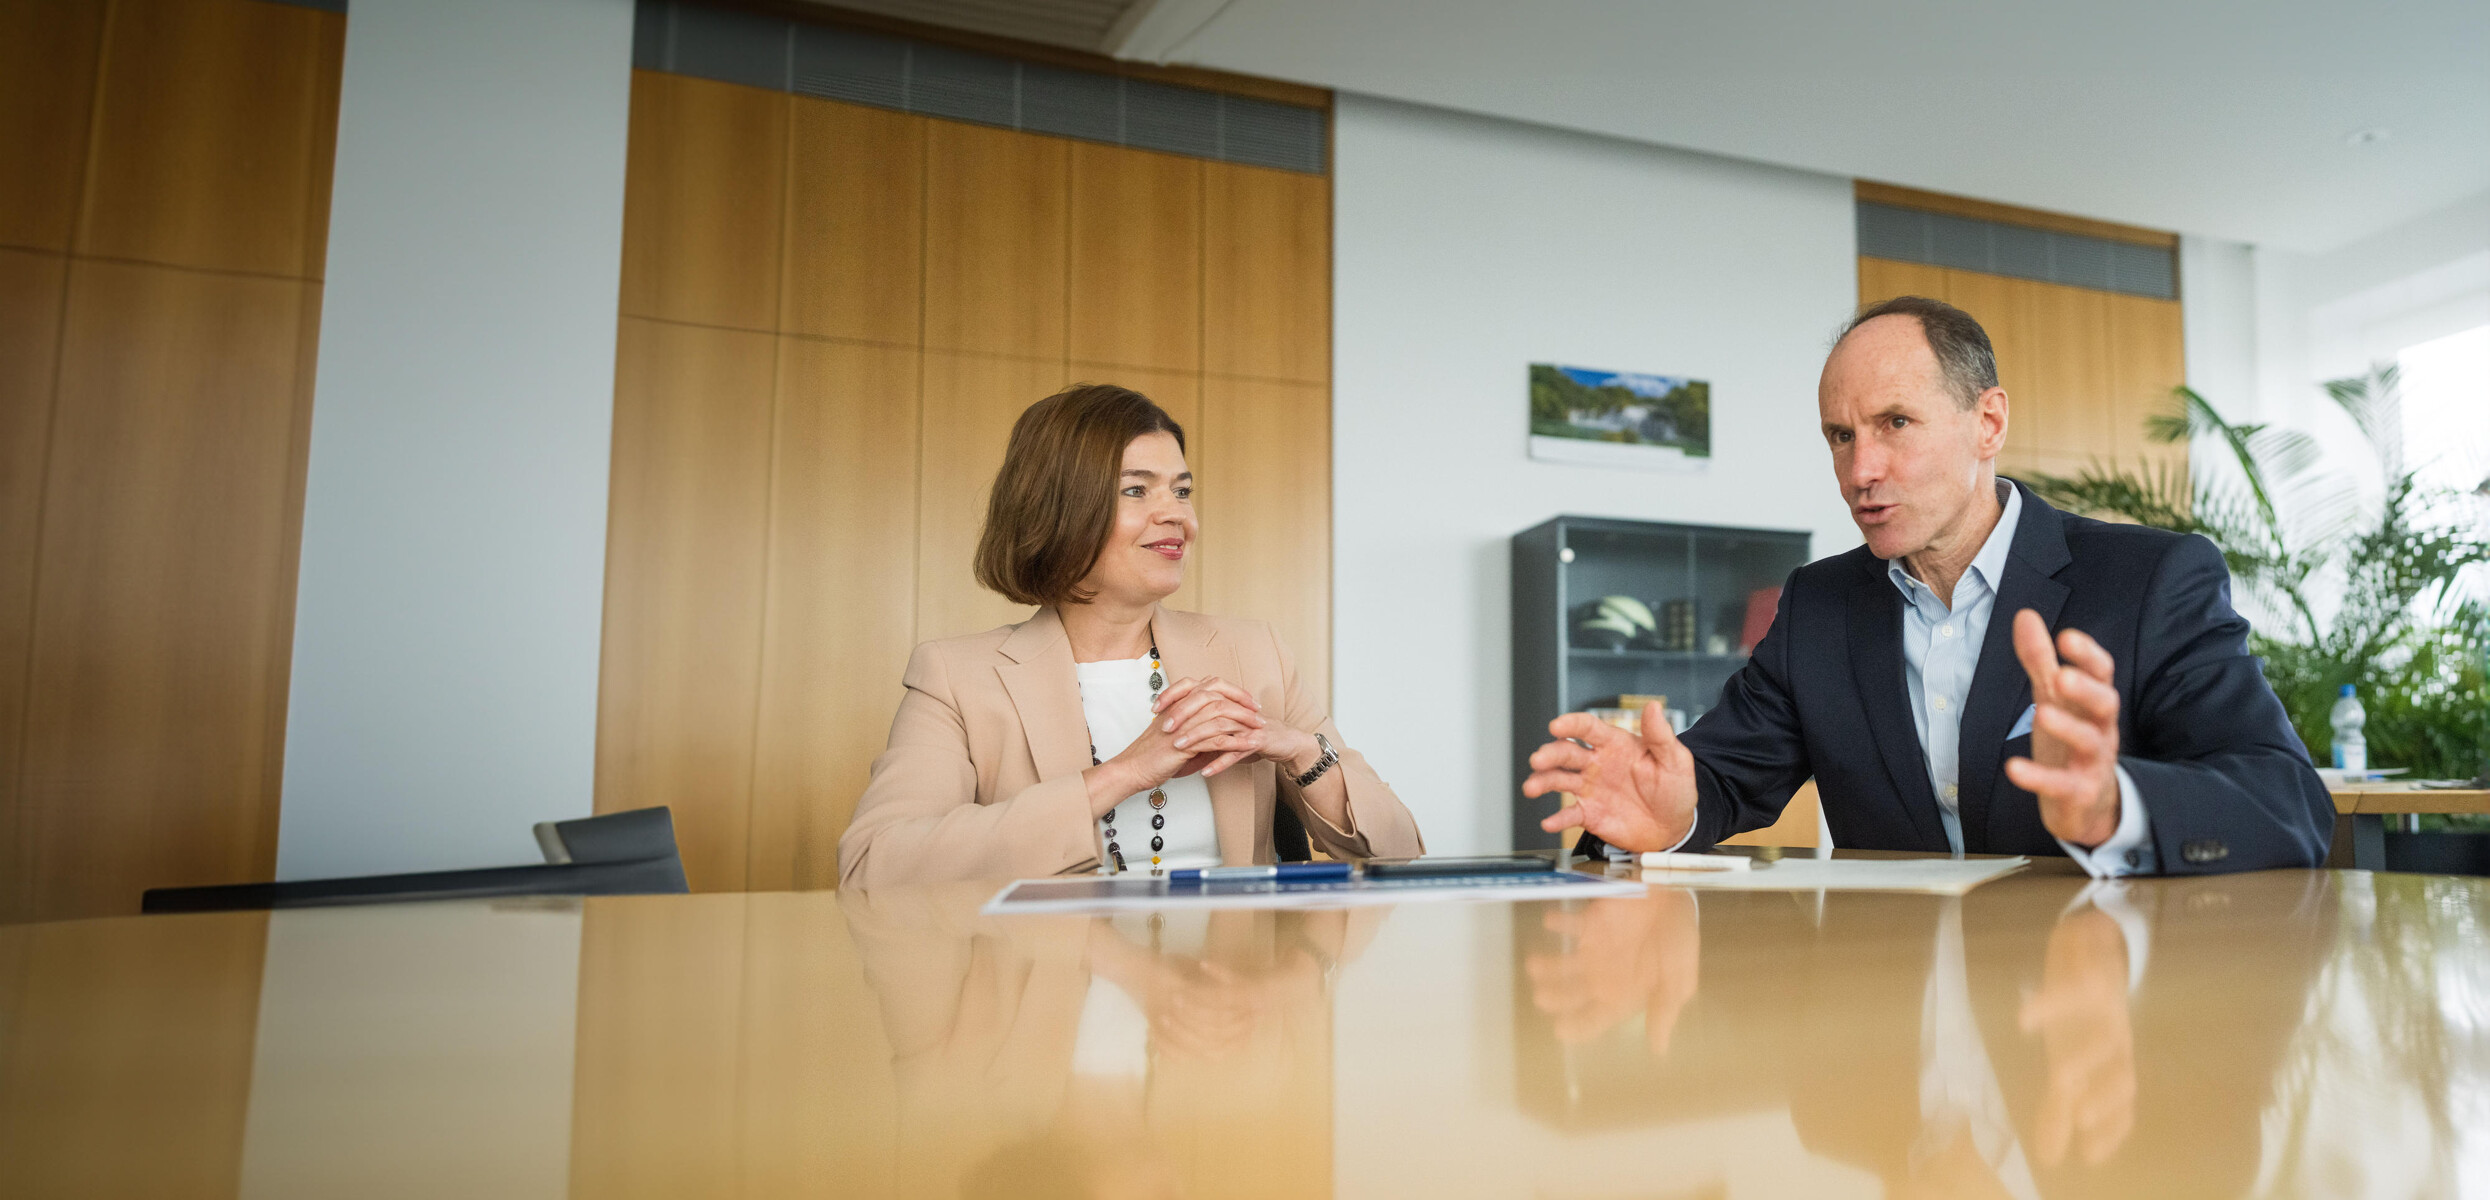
(1158, 820)
(1158, 798)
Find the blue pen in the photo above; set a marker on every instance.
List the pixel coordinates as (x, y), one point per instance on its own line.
(1275, 872)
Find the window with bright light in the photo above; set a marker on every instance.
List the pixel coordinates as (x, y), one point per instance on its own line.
(2446, 418)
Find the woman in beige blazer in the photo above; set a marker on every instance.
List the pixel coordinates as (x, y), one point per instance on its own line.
(1105, 730)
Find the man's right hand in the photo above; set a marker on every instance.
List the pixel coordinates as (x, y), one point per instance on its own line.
(1636, 793)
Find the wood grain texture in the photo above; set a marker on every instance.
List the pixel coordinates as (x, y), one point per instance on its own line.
(1135, 258)
(209, 119)
(995, 257)
(163, 558)
(685, 545)
(2148, 360)
(729, 1045)
(48, 51)
(704, 192)
(971, 401)
(128, 1047)
(1266, 274)
(2003, 307)
(31, 288)
(841, 597)
(1265, 500)
(1884, 278)
(855, 258)
(2070, 371)
(659, 1047)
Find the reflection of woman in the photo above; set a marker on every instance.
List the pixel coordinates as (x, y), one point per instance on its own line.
(1105, 730)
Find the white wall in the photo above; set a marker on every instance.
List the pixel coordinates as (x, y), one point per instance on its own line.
(1467, 248)
(445, 643)
(2314, 317)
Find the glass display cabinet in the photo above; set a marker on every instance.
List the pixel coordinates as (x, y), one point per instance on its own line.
(1608, 612)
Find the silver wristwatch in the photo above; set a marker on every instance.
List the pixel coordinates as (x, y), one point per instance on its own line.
(1321, 765)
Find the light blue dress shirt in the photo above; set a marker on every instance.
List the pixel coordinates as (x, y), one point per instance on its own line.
(1940, 653)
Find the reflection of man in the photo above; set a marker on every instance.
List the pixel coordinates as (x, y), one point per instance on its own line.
(2140, 738)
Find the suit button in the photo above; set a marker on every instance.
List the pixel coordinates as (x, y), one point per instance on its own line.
(2205, 850)
(2135, 858)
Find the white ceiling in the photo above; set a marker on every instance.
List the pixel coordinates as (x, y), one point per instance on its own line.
(2220, 117)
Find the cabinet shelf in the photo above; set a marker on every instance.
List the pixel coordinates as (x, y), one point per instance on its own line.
(1588, 654)
(1702, 585)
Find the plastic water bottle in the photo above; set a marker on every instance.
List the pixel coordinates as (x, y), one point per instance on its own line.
(2351, 750)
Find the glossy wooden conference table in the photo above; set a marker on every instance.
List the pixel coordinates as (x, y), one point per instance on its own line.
(2285, 1033)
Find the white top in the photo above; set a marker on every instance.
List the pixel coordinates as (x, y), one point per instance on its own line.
(1115, 699)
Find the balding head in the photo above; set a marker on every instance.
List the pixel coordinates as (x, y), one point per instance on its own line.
(1915, 457)
(1961, 348)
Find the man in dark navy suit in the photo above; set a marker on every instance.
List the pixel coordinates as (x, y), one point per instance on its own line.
(2140, 738)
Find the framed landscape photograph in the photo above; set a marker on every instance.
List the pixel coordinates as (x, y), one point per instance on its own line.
(1619, 418)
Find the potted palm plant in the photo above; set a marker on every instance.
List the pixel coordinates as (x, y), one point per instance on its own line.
(2341, 585)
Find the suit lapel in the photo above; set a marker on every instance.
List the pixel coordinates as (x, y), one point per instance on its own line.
(1190, 648)
(1046, 692)
(1877, 666)
(2000, 689)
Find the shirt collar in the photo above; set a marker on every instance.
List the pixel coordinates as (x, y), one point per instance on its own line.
(1990, 563)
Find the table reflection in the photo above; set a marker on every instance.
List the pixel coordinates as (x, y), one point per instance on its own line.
(1153, 1054)
(2276, 1034)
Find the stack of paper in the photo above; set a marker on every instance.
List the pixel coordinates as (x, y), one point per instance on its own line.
(1936, 876)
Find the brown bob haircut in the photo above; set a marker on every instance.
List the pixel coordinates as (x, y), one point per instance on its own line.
(1054, 500)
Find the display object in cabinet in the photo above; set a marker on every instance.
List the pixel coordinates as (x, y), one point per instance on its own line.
(1610, 614)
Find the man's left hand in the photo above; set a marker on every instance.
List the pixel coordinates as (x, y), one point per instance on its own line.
(2073, 770)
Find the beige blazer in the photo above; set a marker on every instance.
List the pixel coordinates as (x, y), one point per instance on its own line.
(982, 777)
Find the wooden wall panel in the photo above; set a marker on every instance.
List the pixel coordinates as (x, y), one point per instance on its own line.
(2149, 362)
(971, 401)
(995, 256)
(841, 605)
(125, 1055)
(1265, 501)
(2071, 371)
(208, 119)
(1135, 258)
(855, 257)
(2003, 306)
(2082, 368)
(685, 546)
(163, 559)
(31, 287)
(704, 190)
(1266, 274)
(47, 87)
(1884, 279)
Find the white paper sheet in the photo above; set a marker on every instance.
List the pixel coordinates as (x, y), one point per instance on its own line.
(1100, 893)
(1934, 876)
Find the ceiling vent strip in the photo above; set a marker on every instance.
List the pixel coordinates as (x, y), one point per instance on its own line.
(939, 81)
(1997, 248)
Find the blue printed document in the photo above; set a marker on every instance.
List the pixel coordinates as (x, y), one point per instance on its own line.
(1110, 893)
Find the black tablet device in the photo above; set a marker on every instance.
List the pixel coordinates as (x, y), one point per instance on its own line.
(1458, 864)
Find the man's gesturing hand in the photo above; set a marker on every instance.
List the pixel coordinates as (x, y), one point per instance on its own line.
(2073, 770)
(1636, 794)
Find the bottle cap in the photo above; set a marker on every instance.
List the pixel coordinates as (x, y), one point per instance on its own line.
(2347, 690)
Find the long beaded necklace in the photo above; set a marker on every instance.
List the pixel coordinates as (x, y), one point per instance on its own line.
(1158, 795)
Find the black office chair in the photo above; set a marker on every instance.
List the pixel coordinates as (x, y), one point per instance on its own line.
(619, 854)
(1288, 834)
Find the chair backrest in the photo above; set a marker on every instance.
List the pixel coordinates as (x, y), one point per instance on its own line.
(609, 856)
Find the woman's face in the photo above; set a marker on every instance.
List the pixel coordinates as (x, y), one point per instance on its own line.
(1143, 561)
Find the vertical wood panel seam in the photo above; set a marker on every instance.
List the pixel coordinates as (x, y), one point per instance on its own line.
(769, 499)
(22, 818)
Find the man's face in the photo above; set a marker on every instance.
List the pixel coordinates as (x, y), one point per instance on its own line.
(1908, 457)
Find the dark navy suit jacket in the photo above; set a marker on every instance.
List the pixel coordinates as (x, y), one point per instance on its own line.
(2226, 784)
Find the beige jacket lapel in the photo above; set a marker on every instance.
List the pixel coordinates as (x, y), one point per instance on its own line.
(1046, 692)
(1189, 648)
